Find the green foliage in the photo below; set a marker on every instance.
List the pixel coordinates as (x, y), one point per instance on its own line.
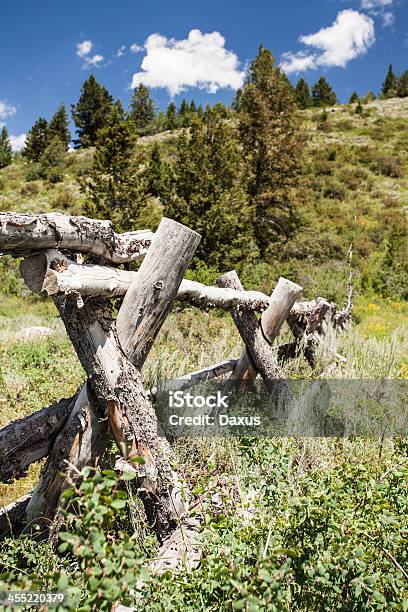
(354, 98)
(389, 87)
(369, 97)
(302, 94)
(6, 152)
(323, 94)
(142, 109)
(52, 161)
(171, 117)
(90, 112)
(272, 143)
(204, 191)
(59, 128)
(36, 141)
(114, 187)
(402, 85)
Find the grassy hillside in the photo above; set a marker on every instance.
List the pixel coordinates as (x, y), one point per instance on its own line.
(290, 524)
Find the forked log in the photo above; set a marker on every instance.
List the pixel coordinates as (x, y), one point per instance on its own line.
(22, 234)
(27, 440)
(258, 336)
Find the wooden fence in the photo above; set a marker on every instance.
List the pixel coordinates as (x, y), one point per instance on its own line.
(75, 261)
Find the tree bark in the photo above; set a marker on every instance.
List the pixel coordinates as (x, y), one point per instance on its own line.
(22, 234)
(82, 441)
(30, 439)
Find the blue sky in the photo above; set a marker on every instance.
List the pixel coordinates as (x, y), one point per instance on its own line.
(188, 49)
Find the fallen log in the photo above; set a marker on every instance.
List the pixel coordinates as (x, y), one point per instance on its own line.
(23, 233)
(30, 439)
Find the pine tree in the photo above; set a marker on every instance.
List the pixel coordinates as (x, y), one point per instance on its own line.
(302, 94)
(52, 161)
(390, 84)
(171, 117)
(155, 172)
(205, 191)
(90, 112)
(236, 99)
(6, 152)
(272, 143)
(369, 97)
(58, 127)
(354, 98)
(193, 107)
(359, 108)
(402, 85)
(322, 93)
(114, 188)
(37, 140)
(142, 109)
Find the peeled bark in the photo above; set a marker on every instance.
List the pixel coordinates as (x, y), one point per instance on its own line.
(30, 439)
(22, 234)
(117, 383)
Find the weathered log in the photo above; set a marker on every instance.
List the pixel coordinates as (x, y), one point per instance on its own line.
(150, 296)
(30, 439)
(81, 442)
(54, 273)
(258, 336)
(12, 517)
(22, 234)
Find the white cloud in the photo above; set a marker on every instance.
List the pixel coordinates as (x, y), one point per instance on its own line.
(388, 18)
(83, 50)
(6, 109)
(374, 4)
(378, 8)
(348, 37)
(120, 51)
(136, 48)
(17, 142)
(200, 60)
